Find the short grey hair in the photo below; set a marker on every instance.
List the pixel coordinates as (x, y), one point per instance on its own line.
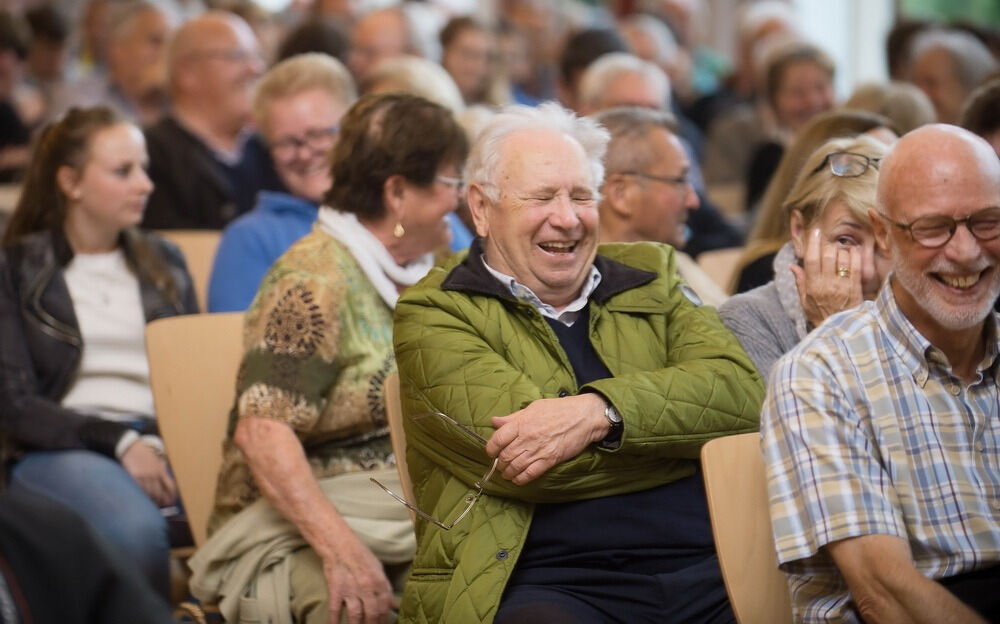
(973, 60)
(483, 165)
(416, 76)
(631, 127)
(601, 73)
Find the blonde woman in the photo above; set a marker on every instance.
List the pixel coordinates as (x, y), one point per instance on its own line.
(831, 262)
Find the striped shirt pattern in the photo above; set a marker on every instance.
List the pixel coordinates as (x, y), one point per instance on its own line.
(865, 430)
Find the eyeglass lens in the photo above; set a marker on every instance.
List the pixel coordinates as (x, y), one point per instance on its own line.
(935, 231)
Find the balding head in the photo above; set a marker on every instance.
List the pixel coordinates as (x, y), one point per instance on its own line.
(936, 159)
(377, 36)
(214, 62)
(939, 190)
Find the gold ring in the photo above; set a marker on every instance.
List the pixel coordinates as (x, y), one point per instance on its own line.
(843, 272)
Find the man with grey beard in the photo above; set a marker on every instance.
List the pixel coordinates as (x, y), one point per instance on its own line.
(881, 430)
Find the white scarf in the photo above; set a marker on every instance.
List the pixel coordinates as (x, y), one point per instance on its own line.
(371, 255)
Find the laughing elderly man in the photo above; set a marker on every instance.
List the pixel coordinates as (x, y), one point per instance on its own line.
(557, 394)
(881, 430)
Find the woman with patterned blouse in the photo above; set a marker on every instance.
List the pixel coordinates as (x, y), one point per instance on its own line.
(309, 425)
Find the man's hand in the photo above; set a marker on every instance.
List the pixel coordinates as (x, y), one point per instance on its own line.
(356, 583)
(149, 470)
(547, 432)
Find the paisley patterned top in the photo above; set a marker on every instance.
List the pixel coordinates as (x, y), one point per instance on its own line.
(317, 350)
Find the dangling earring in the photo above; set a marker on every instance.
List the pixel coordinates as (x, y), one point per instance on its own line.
(398, 231)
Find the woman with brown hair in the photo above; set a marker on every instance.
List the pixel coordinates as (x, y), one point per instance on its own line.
(78, 283)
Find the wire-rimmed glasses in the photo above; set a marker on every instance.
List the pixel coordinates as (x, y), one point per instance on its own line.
(471, 498)
(847, 164)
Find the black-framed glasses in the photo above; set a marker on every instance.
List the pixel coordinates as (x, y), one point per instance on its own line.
(848, 164)
(935, 231)
(681, 181)
(473, 495)
(317, 139)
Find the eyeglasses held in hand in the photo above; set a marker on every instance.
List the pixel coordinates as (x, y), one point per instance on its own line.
(935, 231)
(470, 499)
(848, 164)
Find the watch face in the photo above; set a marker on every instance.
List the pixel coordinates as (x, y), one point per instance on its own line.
(613, 414)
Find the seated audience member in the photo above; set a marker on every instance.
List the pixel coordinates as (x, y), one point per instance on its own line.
(48, 54)
(620, 79)
(552, 355)
(416, 76)
(467, 54)
(44, 549)
(770, 232)
(206, 165)
(15, 135)
(316, 34)
(948, 65)
(647, 192)
(427, 79)
(981, 114)
(581, 49)
(309, 425)
(831, 262)
(796, 85)
(881, 431)
(798, 81)
(379, 35)
(135, 83)
(78, 282)
(903, 104)
(298, 105)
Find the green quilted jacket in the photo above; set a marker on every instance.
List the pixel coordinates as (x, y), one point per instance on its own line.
(467, 348)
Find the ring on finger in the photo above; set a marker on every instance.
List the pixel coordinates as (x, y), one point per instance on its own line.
(843, 272)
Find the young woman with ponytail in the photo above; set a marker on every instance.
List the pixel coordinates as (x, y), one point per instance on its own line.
(78, 283)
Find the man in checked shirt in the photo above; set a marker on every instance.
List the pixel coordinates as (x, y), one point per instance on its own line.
(881, 430)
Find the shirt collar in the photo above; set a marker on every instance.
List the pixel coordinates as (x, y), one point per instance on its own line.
(522, 293)
(915, 350)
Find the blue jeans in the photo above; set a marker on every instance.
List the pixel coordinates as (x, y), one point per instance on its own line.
(108, 499)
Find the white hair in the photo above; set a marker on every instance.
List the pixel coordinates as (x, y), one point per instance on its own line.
(597, 78)
(973, 60)
(417, 76)
(658, 32)
(483, 165)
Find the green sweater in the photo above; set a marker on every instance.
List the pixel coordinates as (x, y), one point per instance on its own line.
(466, 347)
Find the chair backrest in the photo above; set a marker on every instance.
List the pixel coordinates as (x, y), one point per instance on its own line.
(394, 412)
(737, 501)
(720, 264)
(198, 247)
(193, 362)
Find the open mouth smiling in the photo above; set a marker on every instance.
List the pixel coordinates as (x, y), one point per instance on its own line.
(558, 247)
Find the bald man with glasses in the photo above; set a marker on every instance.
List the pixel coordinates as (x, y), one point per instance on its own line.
(881, 430)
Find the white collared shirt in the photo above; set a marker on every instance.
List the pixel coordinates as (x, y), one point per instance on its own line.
(568, 315)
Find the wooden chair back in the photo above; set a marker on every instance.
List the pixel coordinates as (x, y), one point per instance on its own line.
(736, 487)
(394, 412)
(198, 247)
(193, 361)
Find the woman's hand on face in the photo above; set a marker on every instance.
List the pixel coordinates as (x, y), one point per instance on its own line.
(149, 469)
(824, 286)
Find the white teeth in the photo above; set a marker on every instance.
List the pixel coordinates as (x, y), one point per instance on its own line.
(960, 282)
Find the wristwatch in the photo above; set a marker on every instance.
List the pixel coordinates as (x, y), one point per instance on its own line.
(613, 439)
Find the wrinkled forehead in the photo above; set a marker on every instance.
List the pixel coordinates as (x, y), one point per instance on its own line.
(533, 157)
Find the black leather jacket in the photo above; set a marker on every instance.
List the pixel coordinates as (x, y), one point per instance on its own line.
(41, 346)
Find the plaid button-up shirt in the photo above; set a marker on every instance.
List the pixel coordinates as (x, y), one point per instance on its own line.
(866, 430)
